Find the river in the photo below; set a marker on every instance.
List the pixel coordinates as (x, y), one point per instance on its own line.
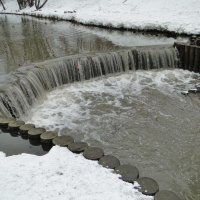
(140, 117)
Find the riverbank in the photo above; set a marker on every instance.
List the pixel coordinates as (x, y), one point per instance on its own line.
(154, 15)
(42, 177)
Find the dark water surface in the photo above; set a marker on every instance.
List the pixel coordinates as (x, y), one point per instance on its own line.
(13, 144)
(24, 40)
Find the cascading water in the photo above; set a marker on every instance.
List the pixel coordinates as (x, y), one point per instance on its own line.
(30, 83)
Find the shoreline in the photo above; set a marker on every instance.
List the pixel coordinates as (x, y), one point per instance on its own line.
(151, 31)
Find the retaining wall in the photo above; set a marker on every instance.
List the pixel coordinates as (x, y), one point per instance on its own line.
(189, 56)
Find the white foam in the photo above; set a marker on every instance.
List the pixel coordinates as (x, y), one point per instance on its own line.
(71, 106)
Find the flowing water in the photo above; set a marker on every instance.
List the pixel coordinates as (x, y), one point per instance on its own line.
(24, 40)
(28, 85)
(99, 97)
(140, 117)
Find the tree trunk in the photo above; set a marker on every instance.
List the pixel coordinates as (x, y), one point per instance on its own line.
(30, 3)
(37, 4)
(2, 4)
(19, 4)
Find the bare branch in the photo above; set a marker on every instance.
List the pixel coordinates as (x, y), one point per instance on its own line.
(2, 4)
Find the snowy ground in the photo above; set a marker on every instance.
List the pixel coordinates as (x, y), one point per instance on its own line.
(178, 16)
(60, 175)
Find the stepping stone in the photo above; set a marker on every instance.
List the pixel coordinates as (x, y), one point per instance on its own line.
(14, 134)
(193, 90)
(5, 121)
(5, 130)
(24, 136)
(25, 128)
(63, 140)
(185, 92)
(148, 186)
(128, 173)
(14, 126)
(198, 88)
(46, 147)
(109, 161)
(93, 153)
(77, 147)
(35, 142)
(35, 133)
(48, 136)
(166, 195)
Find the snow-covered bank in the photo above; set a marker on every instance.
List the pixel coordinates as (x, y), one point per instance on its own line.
(179, 17)
(60, 175)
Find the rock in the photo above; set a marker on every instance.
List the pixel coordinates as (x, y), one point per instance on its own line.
(35, 142)
(166, 195)
(185, 92)
(14, 134)
(148, 186)
(5, 121)
(93, 153)
(197, 42)
(48, 136)
(14, 126)
(25, 128)
(198, 88)
(77, 147)
(193, 90)
(128, 173)
(35, 133)
(24, 136)
(46, 147)
(109, 161)
(63, 141)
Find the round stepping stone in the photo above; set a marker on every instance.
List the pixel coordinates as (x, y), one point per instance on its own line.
(35, 133)
(5, 121)
(166, 195)
(198, 88)
(63, 140)
(77, 147)
(24, 136)
(14, 134)
(93, 153)
(128, 173)
(5, 130)
(35, 142)
(46, 147)
(148, 186)
(48, 136)
(193, 90)
(25, 128)
(109, 161)
(14, 126)
(185, 92)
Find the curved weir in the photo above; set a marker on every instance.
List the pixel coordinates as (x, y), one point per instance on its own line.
(28, 84)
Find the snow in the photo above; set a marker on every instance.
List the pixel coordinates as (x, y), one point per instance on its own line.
(61, 175)
(177, 16)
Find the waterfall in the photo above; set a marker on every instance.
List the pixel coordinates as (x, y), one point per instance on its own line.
(31, 83)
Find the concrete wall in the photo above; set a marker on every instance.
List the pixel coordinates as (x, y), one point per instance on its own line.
(189, 56)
